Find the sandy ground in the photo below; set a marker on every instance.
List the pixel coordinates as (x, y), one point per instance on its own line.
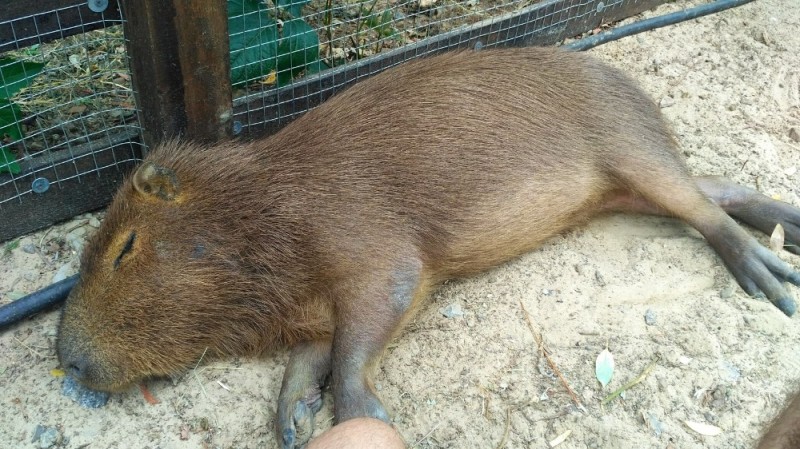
(729, 84)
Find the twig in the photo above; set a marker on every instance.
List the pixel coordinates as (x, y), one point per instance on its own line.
(425, 437)
(202, 388)
(30, 348)
(545, 352)
(79, 225)
(503, 441)
(196, 377)
(645, 372)
(328, 20)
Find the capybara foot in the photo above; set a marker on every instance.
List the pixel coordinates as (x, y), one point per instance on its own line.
(762, 274)
(301, 392)
(295, 422)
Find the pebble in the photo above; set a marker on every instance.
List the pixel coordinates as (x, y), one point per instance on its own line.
(794, 134)
(64, 272)
(94, 222)
(75, 242)
(729, 371)
(544, 396)
(655, 424)
(46, 436)
(667, 102)
(452, 310)
(599, 278)
(30, 276)
(764, 38)
(82, 395)
(13, 296)
(727, 292)
(650, 317)
(29, 248)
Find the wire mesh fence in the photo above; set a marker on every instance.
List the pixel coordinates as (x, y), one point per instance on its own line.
(68, 113)
(315, 48)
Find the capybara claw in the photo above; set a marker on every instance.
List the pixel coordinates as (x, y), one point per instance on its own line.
(761, 274)
(786, 305)
(288, 438)
(297, 425)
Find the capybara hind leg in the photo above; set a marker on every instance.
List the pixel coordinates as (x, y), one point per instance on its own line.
(365, 325)
(301, 392)
(753, 208)
(663, 181)
(743, 203)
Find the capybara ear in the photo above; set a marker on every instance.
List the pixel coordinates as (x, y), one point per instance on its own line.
(153, 180)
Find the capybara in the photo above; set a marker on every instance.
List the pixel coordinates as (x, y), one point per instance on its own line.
(329, 234)
(784, 433)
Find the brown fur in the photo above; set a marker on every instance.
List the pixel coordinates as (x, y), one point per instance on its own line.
(335, 229)
(784, 433)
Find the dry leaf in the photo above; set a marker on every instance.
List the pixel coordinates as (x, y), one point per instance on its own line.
(75, 60)
(148, 396)
(777, 238)
(77, 109)
(560, 439)
(703, 428)
(270, 79)
(604, 367)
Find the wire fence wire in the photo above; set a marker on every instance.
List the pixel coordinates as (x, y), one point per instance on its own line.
(67, 108)
(276, 71)
(65, 95)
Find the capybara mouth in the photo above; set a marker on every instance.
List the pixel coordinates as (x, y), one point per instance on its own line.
(90, 367)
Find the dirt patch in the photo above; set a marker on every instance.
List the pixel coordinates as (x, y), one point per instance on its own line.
(729, 85)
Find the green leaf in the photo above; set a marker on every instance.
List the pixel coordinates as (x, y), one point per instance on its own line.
(10, 115)
(316, 67)
(292, 6)
(14, 75)
(8, 162)
(253, 40)
(298, 48)
(604, 367)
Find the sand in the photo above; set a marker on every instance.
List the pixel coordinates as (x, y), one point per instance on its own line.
(729, 84)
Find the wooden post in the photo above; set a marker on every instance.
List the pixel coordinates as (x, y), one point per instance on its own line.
(180, 68)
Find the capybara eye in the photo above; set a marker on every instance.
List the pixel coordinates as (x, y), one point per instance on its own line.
(125, 249)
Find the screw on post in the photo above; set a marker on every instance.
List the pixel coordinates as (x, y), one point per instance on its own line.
(40, 185)
(97, 5)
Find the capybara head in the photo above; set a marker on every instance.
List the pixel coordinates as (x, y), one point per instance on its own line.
(181, 266)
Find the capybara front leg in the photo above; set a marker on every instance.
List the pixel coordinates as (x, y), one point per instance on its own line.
(365, 325)
(301, 392)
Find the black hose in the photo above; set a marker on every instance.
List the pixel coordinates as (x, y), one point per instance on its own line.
(653, 23)
(36, 301)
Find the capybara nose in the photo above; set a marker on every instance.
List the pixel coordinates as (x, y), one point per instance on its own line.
(77, 366)
(77, 363)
